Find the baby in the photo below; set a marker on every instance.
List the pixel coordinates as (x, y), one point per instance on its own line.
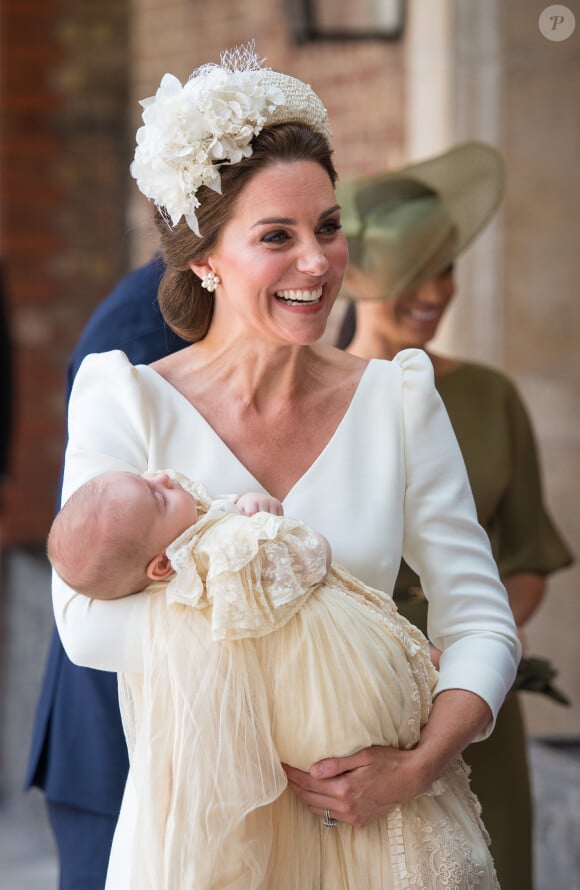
(110, 538)
(254, 635)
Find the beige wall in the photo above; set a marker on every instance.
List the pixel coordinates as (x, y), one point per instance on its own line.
(465, 70)
(518, 306)
(541, 126)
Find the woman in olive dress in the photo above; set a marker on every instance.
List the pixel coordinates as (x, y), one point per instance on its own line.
(405, 230)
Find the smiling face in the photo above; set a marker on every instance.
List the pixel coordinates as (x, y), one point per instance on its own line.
(411, 319)
(281, 257)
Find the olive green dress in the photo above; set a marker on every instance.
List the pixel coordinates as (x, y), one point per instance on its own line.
(499, 450)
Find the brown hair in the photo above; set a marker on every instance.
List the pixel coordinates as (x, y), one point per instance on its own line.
(186, 306)
(92, 546)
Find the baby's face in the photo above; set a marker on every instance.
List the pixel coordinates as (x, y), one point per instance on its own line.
(162, 506)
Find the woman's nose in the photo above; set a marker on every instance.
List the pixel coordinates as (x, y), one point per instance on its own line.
(312, 260)
(436, 290)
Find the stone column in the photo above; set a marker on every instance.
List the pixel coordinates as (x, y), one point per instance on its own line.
(485, 71)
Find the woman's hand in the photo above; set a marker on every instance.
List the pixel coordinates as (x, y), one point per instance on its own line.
(362, 787)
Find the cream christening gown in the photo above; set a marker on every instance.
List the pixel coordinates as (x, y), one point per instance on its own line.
(254, 655)
(343, 671)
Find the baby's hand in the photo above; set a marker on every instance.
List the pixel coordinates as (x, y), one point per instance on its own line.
(258, 502)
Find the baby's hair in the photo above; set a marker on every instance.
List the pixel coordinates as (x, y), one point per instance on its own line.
(92, 543)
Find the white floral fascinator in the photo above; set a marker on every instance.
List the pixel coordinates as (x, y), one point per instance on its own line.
(190, 130)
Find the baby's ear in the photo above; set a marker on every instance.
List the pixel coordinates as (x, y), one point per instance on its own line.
(159, 567)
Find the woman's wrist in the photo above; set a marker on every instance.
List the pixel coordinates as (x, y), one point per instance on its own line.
(425, 769)
(457, 718)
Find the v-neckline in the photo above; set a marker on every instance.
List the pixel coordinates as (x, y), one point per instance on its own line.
(320, 456)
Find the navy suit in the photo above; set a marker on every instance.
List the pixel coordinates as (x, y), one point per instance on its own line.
(78, 755)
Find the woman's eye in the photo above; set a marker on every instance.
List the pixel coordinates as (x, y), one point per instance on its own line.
(277, 237)
(330, 227)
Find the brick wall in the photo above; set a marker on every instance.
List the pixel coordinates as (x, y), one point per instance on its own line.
(361, 82)
(64, 153)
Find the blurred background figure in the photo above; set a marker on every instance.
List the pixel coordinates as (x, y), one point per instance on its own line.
(78, 756)
(405, 231)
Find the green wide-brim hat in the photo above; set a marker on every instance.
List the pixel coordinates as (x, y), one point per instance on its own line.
(406, 226)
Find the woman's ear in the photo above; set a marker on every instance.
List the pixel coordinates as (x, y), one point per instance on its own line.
(209, 280)
(200, 269)
(159, 567)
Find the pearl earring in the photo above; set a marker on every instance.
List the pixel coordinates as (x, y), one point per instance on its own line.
(211, 282)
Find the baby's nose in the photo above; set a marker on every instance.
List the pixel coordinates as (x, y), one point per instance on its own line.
(159, 476)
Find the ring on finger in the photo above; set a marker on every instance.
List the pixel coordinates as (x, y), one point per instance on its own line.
(327, 819)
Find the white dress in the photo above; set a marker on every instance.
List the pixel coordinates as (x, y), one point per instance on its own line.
(394, 454)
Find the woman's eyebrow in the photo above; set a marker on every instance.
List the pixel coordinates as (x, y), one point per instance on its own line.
(275, 220)
(288, 221)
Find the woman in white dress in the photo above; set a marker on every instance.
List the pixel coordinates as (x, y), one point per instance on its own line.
(361, 451)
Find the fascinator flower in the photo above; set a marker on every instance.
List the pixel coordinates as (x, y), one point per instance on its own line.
(190, 130)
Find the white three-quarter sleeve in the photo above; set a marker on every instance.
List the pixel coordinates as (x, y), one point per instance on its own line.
(107, 430)
(469, 614)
